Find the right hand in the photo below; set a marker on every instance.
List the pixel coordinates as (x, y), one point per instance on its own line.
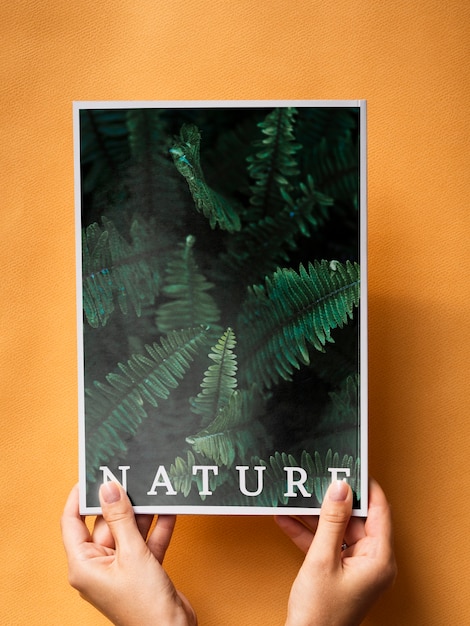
(335, 586)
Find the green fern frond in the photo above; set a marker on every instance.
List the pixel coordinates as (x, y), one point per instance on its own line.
(115, 409)
(333, 159)
(104, 146)
(343, 408)
(317, 482)
(274, 164)
(341, 358)
(233, 432)
(275, 478)
(183, 479)
(292, 310)
(187, 289)
(152, 185)
(337, 424)
(219, 379)
(322, 478)
(146, 133)
(115, 271)
(186, 156)
(266, 244)
(181, 473)
(309, 209)
(333, 124)
(334, 165)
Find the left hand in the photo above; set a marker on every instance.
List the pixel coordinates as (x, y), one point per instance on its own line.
(116, 570)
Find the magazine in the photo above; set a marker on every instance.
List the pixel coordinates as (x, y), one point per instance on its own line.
(222, 303)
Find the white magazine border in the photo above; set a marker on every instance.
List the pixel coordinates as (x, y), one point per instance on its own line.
(363, 258)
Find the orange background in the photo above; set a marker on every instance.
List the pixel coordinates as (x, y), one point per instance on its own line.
(410, 61)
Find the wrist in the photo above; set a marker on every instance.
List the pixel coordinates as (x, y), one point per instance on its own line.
(176, 613)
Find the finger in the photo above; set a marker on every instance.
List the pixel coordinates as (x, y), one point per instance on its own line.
(378, 507)
(119, 516)
(378, 526)
(300, 534)
(74, 529)
(379, 535)
(334, 517)
(102, 534)
(379, 515)
(144, 523)
(160, 537)
(355, 531)
(309, 521)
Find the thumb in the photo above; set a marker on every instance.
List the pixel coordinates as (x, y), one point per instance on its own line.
(119, 516)
(334, 517)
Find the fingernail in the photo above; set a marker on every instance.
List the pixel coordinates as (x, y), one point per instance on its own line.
(338, 491)
(110, 492)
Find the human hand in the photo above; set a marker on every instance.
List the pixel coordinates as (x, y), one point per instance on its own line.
(336, 587)
(116, 570)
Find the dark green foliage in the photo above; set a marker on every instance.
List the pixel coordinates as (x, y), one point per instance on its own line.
(220, 274)
(219, 380)
(217, 209)
(332, 133)
(146, 135)
(104, 146)
(186, 288)
(116, 408)
(227, 413)
(292, 310)
(273, 166)
(316, 472)
(234, 430)
(183, 480)
(268, 242)
(116, 271)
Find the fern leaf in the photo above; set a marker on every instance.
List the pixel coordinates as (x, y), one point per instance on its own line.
(321, 478)
(151, 182)
(274, 480)
(316, 484)
(146, 132)
(183, 479)
(335, 168)
(187, 289)
(274, 164)
(115, 272)
(115, 409)
(333, 159)
(219, 379)
(181, 473)
(104, 146)
(309, 210)
(294, 310)
(234, 431)
(264, 245)
(186, 156)
(343, 408)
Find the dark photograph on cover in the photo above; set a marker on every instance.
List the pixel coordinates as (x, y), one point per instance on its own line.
(222, 303)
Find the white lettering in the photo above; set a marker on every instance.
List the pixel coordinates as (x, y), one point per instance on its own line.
(108, 476)
(161, 480)
(205, 469)
(242, 479)
(299, 483)
(338, 470)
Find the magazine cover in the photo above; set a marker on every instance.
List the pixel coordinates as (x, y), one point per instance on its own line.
(222, 303)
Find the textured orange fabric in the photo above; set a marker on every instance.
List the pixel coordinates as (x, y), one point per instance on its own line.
(410, 61)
